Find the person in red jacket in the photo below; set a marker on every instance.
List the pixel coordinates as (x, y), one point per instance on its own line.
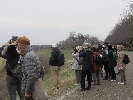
(97, 67)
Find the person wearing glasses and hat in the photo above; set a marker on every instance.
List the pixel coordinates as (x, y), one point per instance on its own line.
(87, 66)
(32, 86)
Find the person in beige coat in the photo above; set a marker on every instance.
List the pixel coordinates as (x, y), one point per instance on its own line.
(120, 65)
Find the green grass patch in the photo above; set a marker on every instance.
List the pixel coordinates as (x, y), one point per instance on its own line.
(44, 53)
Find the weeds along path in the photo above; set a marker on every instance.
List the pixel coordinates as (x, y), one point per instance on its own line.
(3, 88)
(106, 91)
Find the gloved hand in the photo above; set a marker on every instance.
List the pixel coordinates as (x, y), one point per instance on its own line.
(6, 45)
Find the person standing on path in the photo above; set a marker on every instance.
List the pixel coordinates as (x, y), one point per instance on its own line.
(105, 61)
(87, 66)
(97, 67)
(111, 63)
(55, 68)
(120, 65)
(12, 57)
(76, 66)
(32, 86)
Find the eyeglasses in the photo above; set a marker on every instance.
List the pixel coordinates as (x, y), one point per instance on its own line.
(18, 45)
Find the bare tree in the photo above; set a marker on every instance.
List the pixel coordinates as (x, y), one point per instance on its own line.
(122, 33)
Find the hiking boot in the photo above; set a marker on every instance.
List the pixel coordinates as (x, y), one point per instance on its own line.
(83, 89)
(119, 82)
(76, 84)
(122, 83)
(98, 83)
(112, 80)
(105, 78)
(88, 88)
(94, 83)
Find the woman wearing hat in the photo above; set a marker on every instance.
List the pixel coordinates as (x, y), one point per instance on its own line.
(120, 65)
(76, 66)
(87, 62)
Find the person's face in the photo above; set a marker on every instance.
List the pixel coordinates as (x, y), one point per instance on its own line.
(81, 48)
(20, 48)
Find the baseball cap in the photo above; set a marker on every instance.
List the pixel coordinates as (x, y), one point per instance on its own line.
(54, 45)
(86, 45)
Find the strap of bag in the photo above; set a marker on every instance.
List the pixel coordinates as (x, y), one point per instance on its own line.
(77, 59)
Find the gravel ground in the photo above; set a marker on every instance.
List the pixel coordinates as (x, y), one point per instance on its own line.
(106, 91)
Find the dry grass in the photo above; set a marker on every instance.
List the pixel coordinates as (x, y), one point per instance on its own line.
(66, 84)
(2, 68)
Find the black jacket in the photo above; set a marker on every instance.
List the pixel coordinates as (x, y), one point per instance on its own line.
(12, 58)
(87, 59)
(53, 61)
(110, 55)
(1, 49)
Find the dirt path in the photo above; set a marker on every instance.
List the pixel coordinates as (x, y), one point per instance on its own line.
(107, 90)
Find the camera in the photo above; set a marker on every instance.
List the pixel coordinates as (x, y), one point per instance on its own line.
(14, 38)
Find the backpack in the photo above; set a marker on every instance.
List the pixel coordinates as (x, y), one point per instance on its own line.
(126, 59)
(60, 58)
(17, 71)
(115, 55)
(98, 60)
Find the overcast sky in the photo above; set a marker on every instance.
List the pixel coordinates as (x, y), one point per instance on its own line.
(50, 21)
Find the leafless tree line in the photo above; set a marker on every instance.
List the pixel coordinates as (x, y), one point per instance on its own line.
(72, 41)
(122, 33)
(77, 40)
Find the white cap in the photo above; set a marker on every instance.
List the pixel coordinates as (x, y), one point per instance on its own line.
(77, 48)
(54, 45)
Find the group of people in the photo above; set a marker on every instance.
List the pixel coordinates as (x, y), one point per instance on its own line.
(89, 61)
(25, 71)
